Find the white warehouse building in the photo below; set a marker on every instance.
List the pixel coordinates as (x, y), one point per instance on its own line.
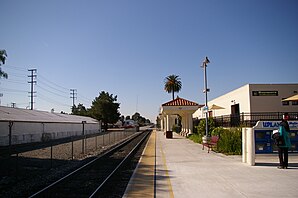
(20, 126)
(253, 98)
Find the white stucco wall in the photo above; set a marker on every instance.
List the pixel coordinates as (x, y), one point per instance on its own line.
(26, 132)
(248, 103)
(238, 96)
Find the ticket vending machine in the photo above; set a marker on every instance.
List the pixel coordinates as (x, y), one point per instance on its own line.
(257, 140)
(263, 131)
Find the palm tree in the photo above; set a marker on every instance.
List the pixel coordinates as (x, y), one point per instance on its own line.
(3, 56)
(172, 84)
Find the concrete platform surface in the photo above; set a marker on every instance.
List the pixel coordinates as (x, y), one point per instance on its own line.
(183, 169)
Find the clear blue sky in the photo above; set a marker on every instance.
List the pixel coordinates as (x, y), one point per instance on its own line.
(128, 47)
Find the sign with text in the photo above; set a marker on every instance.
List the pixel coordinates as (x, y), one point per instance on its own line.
(264, 93)
(275, 124)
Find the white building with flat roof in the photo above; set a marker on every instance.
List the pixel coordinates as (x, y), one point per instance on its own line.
(253, 98)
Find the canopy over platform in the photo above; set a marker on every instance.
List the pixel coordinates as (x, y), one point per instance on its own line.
(170, 111)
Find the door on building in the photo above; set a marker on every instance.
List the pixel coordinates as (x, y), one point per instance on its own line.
(210, 114)
(235, 115)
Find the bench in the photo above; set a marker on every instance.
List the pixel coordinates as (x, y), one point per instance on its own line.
(212, 143)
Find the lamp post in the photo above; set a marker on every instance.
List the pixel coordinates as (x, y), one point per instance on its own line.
(206, 90)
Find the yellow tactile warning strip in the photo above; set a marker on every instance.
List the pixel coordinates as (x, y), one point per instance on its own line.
(142, 182)
(151, 177)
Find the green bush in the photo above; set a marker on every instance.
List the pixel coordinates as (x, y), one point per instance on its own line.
(195, 138)
(201, 128)
(217, 131)
(199, 131)
(229, 141)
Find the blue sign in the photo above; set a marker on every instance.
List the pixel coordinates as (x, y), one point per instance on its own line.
(274, 124)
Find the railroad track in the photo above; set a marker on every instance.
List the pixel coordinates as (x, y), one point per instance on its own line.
(92, 179)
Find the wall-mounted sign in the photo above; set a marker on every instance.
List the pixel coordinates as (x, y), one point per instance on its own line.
(264, 93)
(275, 124)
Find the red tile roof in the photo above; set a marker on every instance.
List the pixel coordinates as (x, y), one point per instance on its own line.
(180, 102)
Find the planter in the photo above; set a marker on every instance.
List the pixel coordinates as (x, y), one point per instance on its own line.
(169, 134)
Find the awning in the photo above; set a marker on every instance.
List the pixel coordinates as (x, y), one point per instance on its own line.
(215, 107)
(292, 98)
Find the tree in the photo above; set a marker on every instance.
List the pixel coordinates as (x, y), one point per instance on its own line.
(127, 118)
(79, 110)
(148, 121)
(172, 84)
(140, 119)
(122, 118)
(3, 56)
(105, 108)
(136, 116)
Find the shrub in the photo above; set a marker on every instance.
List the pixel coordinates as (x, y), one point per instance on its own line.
(217, 131)
(201, 128)
(195, 138)
(230, 141)
(199, 131)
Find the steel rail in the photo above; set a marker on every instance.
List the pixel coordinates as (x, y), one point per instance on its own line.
(119, 165)
(85, 165)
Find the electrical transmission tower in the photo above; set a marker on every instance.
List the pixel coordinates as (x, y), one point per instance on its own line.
(73, 93)
(32, 82)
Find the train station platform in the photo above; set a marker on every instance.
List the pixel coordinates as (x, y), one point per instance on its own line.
(179, 167)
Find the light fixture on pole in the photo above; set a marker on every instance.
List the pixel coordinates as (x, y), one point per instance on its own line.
(206, 90)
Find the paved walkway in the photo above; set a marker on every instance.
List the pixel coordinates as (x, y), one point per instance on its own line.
(183, 169)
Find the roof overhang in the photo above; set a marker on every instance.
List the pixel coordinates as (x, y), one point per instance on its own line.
(179, 106)
(179, 109)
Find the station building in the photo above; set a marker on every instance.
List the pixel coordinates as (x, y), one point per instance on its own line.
(259, 107)
(253, 98)
(172, 110)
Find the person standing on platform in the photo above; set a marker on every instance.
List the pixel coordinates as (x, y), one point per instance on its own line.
(284, 144)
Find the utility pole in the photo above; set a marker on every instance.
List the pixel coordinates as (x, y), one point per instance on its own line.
(73, 93)
(32, 82)
(1, 95)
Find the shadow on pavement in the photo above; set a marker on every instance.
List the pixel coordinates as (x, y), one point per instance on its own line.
(291, 165)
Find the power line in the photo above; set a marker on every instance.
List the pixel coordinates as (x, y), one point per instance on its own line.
(15, 81)
(12, 90)
(84, 99)
(44, 84)
(47, 99)
(51, 92)
(47, 85)
(64, 88)
(17, 75)
(16, 68)
(82, 96)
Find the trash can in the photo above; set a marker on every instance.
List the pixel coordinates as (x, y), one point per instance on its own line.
(206, 139)
(169, 134)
